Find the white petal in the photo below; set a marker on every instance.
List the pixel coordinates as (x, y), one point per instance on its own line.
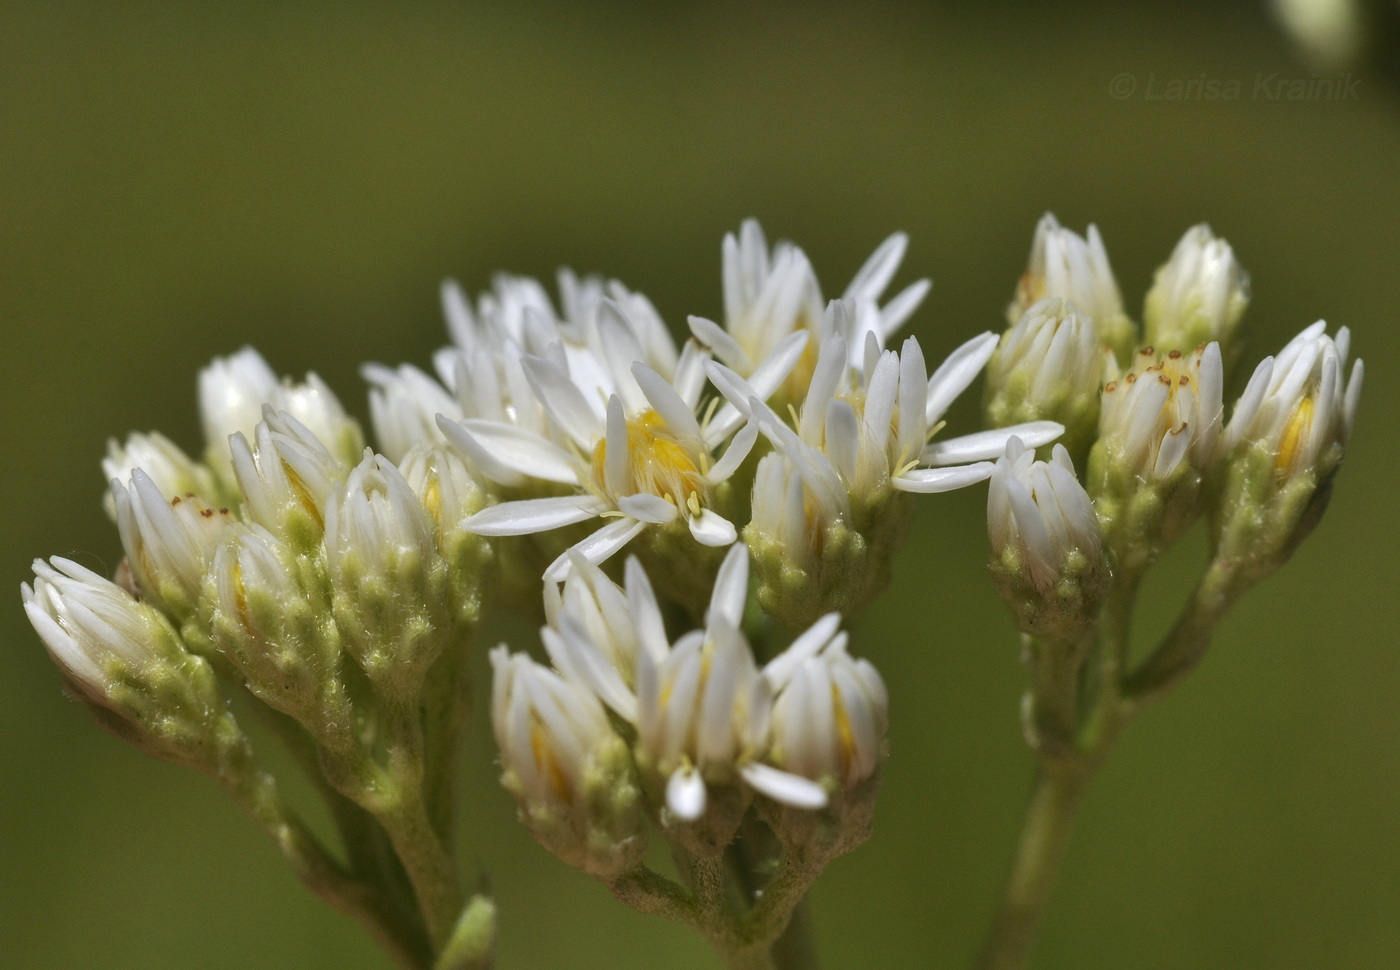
(942, 479)
(789, 789)
(666, 402)
(956, 372)
(726, 348)
(731, 590)
(872, 278)
(520, 450)
(534, 515)
(647, 508)
(712, 529)
(734, 455)
(597, 548)
(685, 794)
(985, 445)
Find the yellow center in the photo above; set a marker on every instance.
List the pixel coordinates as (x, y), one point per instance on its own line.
(1294, 434)
(658, 463)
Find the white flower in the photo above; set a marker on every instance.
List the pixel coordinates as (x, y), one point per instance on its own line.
(1165, 411)
(625, 437)
(1296, 404)
(769, 295)
(172, 471)
(168, 541)
(546, 727)
(288, 474)
(376, 526)
(1039, 511)
(1050, 364)
(1067, 266)
(1198, 296)
(703, 710)
(234, 390)
(89, 624)
(830, 711)
(867, 422)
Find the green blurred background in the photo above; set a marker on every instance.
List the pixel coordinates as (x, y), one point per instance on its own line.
(177, 180)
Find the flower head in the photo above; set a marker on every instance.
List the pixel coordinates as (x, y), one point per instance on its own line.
(1049, 366)
(1198, 296)
(1068, 266)
(1047, 561)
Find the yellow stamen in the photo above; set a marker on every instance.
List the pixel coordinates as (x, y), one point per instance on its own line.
(658, 462)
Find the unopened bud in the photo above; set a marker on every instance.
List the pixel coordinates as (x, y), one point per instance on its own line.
(1198, 296)
(570, 773)
(128, 664)
(1068, 266)
(1047, 563)
(1049, 367)
(1286, 440)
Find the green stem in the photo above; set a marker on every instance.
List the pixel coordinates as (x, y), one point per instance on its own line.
(1058, 793)
(323, 875)
(796, 947)
(1186, 644)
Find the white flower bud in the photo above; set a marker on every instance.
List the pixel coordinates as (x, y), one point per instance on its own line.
(168, 542)
(830, 711)
(1049, 366)
(1047, 562)
(172, 471)
(124, 659)
(91, 626)
(315, 406)
(390, 587)
(287, 478)
(234, 390)
(1198, 296)
(1067, 266)
(404, 404)
(1299, 409)
(565, 765)
(375, 525)
(272, 627)
(1286, 439)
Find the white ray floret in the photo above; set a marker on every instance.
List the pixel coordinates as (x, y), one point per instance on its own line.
(1040, 509)
(1297, 403)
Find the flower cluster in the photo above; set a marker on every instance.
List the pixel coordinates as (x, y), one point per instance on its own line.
(696, 726)
(341, 587)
